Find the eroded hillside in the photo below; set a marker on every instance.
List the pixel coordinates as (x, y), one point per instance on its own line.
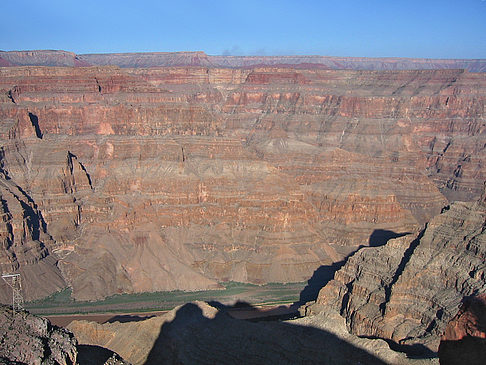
(183, 177)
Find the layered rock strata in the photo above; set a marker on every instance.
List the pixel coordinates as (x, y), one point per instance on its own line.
(183, 177)
(408, 290)
(165, 59)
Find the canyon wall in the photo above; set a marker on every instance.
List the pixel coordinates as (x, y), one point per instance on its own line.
(184, 177)
(165, 59)
(409, 289)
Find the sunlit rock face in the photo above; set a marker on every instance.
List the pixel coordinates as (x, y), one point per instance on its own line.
(409, 289)
(183, 177)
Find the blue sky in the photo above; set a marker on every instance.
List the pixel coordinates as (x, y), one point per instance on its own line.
(389, 28)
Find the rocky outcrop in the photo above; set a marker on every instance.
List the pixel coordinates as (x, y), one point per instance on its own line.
(409, 289)
(197, 333)
(183, 177)
(24, 244)
(28, 339)
(464, 340)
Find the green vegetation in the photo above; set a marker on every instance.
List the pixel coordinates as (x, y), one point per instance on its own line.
(271, 294)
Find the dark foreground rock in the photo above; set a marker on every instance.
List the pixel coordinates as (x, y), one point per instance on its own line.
(28, 339)
(197, 333)
(464, 340)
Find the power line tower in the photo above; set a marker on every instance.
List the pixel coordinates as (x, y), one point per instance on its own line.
(13, 281)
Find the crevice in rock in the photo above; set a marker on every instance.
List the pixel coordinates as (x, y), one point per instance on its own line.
(10, 96)
(72, 156)
(35, 123)
(405, 259)
(2, 164)
(99, 86)
(9, 239)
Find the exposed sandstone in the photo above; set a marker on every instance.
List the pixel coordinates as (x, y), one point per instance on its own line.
(408, 290)
(182, 177)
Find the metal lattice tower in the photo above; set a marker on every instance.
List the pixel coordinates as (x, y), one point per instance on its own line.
(13, 281)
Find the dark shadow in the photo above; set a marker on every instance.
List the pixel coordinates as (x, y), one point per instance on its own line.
(93, 355)
(413, 351)
(405, 259)
(35, 123)
(471, 318)
(319, 279)
(380, 237)
(249, 312)
(193, 338)
(70, 158)
(325, 273)
(128, 318)
(468, 350)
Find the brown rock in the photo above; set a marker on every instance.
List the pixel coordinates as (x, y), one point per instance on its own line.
(25, 241)
(183, 177)
(408, 290)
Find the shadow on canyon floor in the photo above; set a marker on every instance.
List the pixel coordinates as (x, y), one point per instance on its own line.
(244, 310)
(413, 351)
(92, 354)
(325, 273)
(192, 338)
(124, 318)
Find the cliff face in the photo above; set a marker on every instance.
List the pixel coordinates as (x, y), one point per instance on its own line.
(181, 177)
(409, 289)
(165, 59)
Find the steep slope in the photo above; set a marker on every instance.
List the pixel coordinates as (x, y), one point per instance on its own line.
(409, 289)
(197, 333)
(24, 243)
(182, 177)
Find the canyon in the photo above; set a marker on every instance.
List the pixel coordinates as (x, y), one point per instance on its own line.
(409, 290)
(133, 179)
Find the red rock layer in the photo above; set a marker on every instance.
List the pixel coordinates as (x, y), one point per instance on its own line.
(178, 178)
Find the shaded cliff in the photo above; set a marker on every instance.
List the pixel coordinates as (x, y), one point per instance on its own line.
(464, 340)
(183, 177)
(408, 290)
(24, 244)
